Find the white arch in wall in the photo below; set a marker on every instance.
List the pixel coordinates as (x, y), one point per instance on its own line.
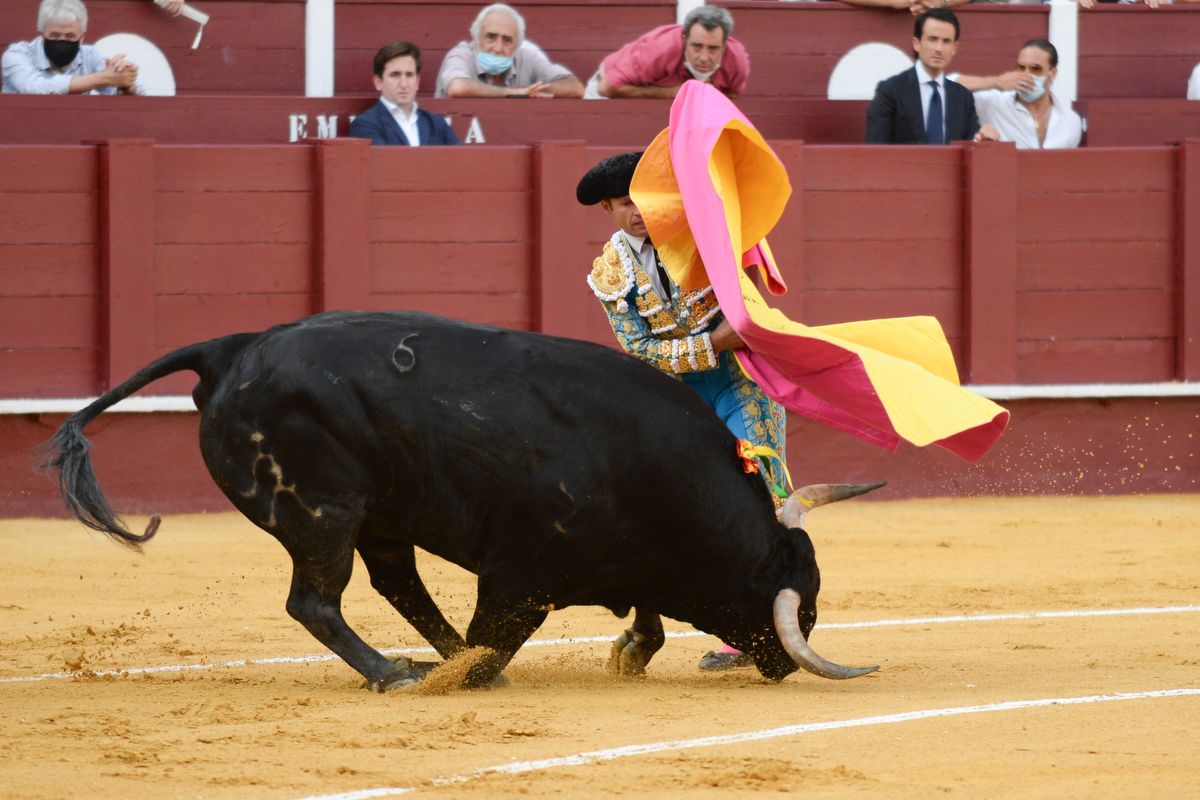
(862, 68)
(154, 70)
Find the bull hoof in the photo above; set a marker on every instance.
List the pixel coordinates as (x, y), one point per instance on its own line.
(395, 681)
(498, 682)
(713, 662)
(629, 655)
(405, 673)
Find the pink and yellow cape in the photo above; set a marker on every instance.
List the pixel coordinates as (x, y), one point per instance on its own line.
(709, 189)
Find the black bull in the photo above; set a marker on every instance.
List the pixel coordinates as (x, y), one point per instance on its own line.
(560, 472)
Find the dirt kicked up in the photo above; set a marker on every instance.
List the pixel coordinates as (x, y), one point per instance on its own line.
(1029, 648)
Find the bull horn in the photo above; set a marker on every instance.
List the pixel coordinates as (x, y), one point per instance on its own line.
(787, 627)
(820, 494)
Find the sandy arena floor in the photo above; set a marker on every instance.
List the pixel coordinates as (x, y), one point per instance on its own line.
(210, 591)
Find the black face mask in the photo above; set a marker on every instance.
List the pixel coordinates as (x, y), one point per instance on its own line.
(60, 52)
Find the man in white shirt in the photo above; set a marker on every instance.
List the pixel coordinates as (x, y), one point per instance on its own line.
(499, 61)
(395, 119)
(58, 62)
(1019, 106)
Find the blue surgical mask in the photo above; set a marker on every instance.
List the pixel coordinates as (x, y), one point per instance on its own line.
(1039, 89)
(493, 64)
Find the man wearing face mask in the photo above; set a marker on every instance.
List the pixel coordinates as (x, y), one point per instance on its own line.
(500, 62)
(57, 61)
(1019, 105)
(659, 62)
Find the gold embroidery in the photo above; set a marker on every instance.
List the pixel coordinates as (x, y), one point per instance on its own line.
(609, 277)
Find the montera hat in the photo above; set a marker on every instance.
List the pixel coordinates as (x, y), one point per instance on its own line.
(610, 178)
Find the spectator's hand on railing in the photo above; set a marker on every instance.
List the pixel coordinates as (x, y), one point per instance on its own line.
(1150, 3)
(539, 89)
(121, 72)
(919, 7)
(119, 63)
(988, 133)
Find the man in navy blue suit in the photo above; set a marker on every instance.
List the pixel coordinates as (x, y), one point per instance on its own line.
(395, 119)
(920, 106)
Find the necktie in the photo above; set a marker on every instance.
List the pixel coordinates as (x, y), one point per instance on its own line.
(663, 276)
(650, 255)
(933, 125)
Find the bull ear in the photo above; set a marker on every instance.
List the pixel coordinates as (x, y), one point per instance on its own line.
(820, 494)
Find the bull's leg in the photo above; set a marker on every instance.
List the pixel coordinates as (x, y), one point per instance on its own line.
(393, 569)
(634, 648)
(502, 628)
(322, 559)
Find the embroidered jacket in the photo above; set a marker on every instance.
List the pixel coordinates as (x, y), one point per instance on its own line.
(673, 335)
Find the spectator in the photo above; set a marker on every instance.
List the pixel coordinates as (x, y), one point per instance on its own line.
(396, 119)
(1151, 3)
(918, 7)
(919, 105)
(657, 63)
(499, 62)
(1020, 107)
(57, 61)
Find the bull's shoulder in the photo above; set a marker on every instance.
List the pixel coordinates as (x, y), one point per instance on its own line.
(612, 274)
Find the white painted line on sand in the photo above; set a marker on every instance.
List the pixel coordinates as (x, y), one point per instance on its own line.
(409, 651)
(614, 753)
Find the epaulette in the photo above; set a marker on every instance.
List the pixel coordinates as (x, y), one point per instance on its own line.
(611, 278)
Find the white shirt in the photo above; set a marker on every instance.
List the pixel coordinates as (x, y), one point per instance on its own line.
(27, 70)
(647, 256)
(923, 79)
(407, 123)
(1015, 124)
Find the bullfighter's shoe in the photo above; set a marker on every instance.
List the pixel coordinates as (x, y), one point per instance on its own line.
(725, 658)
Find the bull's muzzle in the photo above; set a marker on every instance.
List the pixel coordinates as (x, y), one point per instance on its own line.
(787, 627)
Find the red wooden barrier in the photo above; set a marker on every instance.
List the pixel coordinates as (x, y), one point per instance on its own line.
(210, 119)
(150, 463)
(49, 257)
(1043, 267)
(1137, 123)
(1137, 52)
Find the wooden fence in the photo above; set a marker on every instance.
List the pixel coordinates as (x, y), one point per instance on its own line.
(1044, 267)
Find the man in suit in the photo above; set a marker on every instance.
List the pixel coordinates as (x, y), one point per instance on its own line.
(395, 119)
(919, 106)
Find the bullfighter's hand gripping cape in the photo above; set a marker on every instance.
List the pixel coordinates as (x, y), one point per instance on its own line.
(709, 189)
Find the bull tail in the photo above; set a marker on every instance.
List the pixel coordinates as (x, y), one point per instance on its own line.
(67, 451)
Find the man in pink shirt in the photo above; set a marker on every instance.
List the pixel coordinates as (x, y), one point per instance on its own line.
(659, 62)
